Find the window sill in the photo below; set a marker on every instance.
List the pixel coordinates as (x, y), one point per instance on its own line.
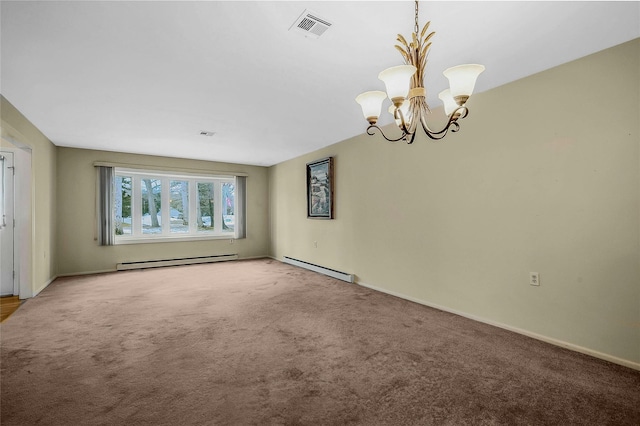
(147, 240)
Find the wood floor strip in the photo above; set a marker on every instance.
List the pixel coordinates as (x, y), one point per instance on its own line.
(8, 305)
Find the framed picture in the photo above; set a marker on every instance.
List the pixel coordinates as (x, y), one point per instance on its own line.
(320, 189)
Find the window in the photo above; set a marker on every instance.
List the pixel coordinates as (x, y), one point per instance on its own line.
(206, 201)
(151, 190)
(179, 208)
(151, 206)
(123, 205)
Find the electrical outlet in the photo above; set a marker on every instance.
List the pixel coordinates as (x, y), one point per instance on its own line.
(315, 244)
(534, 278)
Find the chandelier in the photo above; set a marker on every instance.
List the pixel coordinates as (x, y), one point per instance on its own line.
(405, 88)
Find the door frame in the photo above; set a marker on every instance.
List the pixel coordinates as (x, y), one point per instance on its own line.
(8, 223)
(23, 214)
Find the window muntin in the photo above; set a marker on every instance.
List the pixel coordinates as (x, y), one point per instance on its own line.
(157, 206)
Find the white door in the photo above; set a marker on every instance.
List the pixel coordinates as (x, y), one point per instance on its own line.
(6, 225)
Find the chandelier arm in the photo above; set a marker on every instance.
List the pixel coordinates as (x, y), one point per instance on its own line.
(412, 139)
(371, 132)
(411, 128)
(463, 114)
(436, 135)
(452, 124)
(397, 114)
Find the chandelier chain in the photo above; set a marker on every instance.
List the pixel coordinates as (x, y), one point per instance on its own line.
(417, 27)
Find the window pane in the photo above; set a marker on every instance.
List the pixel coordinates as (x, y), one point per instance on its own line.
(122, 205)
(228, 212)
(151, 206)
(179, 211)
(205, 207)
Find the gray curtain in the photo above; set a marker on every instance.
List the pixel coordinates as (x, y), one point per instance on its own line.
(241, 194)
(106, 232)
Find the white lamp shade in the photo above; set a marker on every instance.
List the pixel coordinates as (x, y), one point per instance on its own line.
(449, 103)
(397, 80)
(405, 112)
(371, 103)
(462, 78)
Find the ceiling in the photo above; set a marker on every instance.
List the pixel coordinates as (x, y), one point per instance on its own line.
(148, 76)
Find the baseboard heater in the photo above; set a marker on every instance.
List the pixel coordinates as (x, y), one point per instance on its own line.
(321, 269)
(124, 266)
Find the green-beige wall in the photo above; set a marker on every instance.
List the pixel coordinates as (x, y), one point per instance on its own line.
(78, 251)
(17, 129)
(542, 177)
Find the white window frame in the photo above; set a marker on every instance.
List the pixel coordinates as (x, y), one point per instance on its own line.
(137, 236)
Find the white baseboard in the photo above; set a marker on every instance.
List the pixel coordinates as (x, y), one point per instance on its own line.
(38, 290)
(556, 342)
(106, 271)
(75, 274)
(255, 257)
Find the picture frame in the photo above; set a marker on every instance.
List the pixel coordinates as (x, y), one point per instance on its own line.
(320, 189)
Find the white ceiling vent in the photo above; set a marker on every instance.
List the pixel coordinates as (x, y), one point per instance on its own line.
(310, 24)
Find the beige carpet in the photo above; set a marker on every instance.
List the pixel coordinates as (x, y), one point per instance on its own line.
(261, 342)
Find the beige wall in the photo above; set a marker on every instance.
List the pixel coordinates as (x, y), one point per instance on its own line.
(543, 176)
(15, 127)
(77, 246)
